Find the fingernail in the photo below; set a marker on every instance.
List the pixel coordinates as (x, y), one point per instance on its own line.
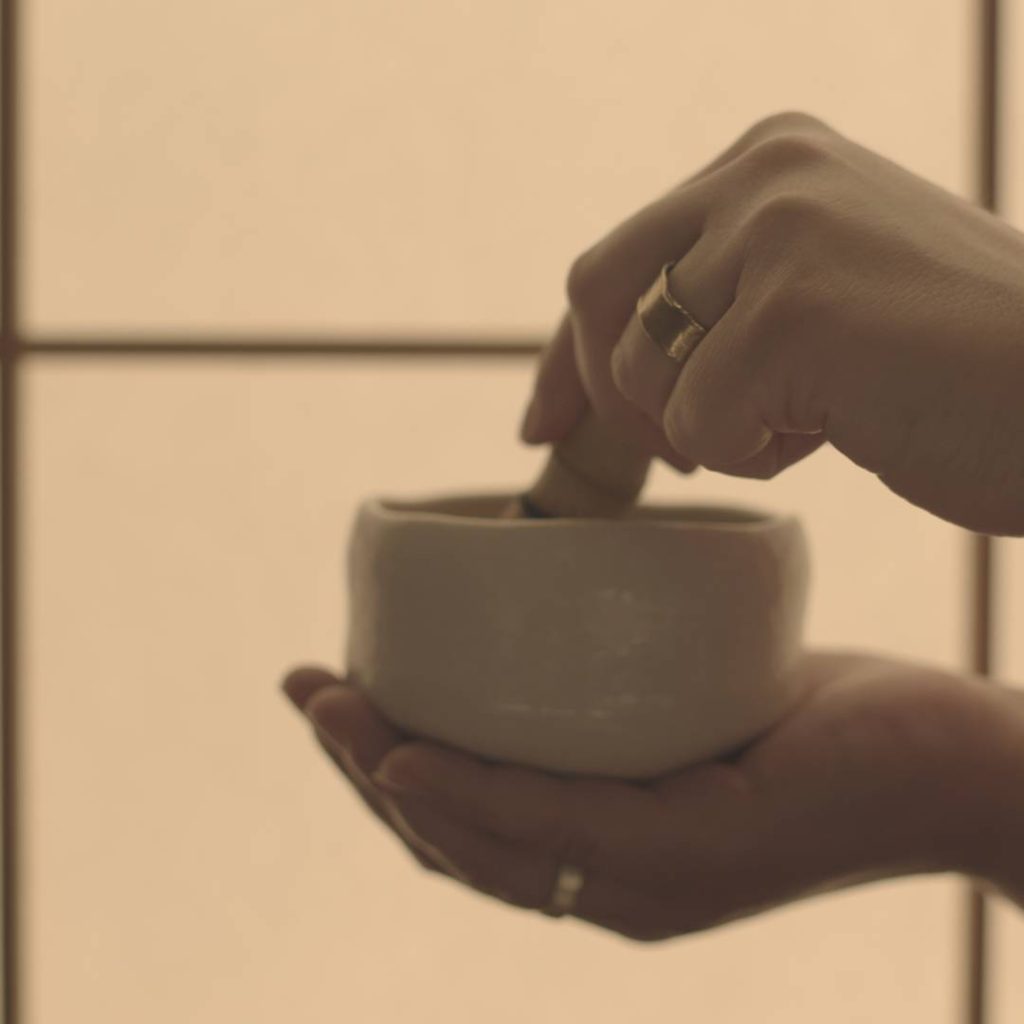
(530, 431)
(394, 774)
(325, 724)
(390, 787)
(390, 784)
(342, 747)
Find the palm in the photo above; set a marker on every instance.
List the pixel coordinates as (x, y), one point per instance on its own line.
(842, 790)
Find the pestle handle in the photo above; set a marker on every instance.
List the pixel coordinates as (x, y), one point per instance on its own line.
(593, 471)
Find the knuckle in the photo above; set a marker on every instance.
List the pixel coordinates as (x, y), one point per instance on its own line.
(783, 216)
(786, 121)
(651, 919)
(691, 922)
(648, 934)
(424, 860)
(764, 468)
(788, 150)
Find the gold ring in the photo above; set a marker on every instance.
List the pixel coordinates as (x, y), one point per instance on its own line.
(567, 887)
(674, 329)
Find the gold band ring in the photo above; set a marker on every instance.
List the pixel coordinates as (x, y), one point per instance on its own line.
(567, 888)
(674, 329)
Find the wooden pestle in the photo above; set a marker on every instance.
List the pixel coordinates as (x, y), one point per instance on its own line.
(593, 471)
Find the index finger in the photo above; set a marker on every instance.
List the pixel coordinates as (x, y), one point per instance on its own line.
(356, 739)
(567, 818)
(605, 282)
(560, 401)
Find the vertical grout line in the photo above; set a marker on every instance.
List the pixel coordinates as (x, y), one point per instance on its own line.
(9, 351)
(9, 733)
(980, 548)
(977, 937)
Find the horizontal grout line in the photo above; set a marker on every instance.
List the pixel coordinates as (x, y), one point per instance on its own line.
(407, 347)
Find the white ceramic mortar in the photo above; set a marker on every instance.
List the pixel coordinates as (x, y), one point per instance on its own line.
(616, 647)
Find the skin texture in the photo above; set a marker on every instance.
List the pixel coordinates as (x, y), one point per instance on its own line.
(850, 303)
(886, 768)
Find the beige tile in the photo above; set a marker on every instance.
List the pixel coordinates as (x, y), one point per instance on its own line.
(193, 856)
(205, 166)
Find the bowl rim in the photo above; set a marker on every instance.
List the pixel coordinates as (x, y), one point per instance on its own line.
(700, 516)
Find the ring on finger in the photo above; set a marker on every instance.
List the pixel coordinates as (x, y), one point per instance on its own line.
(664, 319)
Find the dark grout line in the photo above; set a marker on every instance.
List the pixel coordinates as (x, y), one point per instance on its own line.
(981, 550)
(10, 733)
(9, 705)
(199, 348)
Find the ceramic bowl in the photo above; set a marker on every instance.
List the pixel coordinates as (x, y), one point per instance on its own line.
(625, 648)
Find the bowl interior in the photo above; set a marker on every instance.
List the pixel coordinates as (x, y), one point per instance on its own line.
(488, 508)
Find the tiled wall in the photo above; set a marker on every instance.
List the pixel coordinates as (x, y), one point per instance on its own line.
(210, 167)
(195, 857)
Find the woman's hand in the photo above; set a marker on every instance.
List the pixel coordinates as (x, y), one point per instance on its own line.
(848, 301)
(884, 769)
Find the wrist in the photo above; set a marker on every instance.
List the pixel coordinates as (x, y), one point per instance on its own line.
(993, 850)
